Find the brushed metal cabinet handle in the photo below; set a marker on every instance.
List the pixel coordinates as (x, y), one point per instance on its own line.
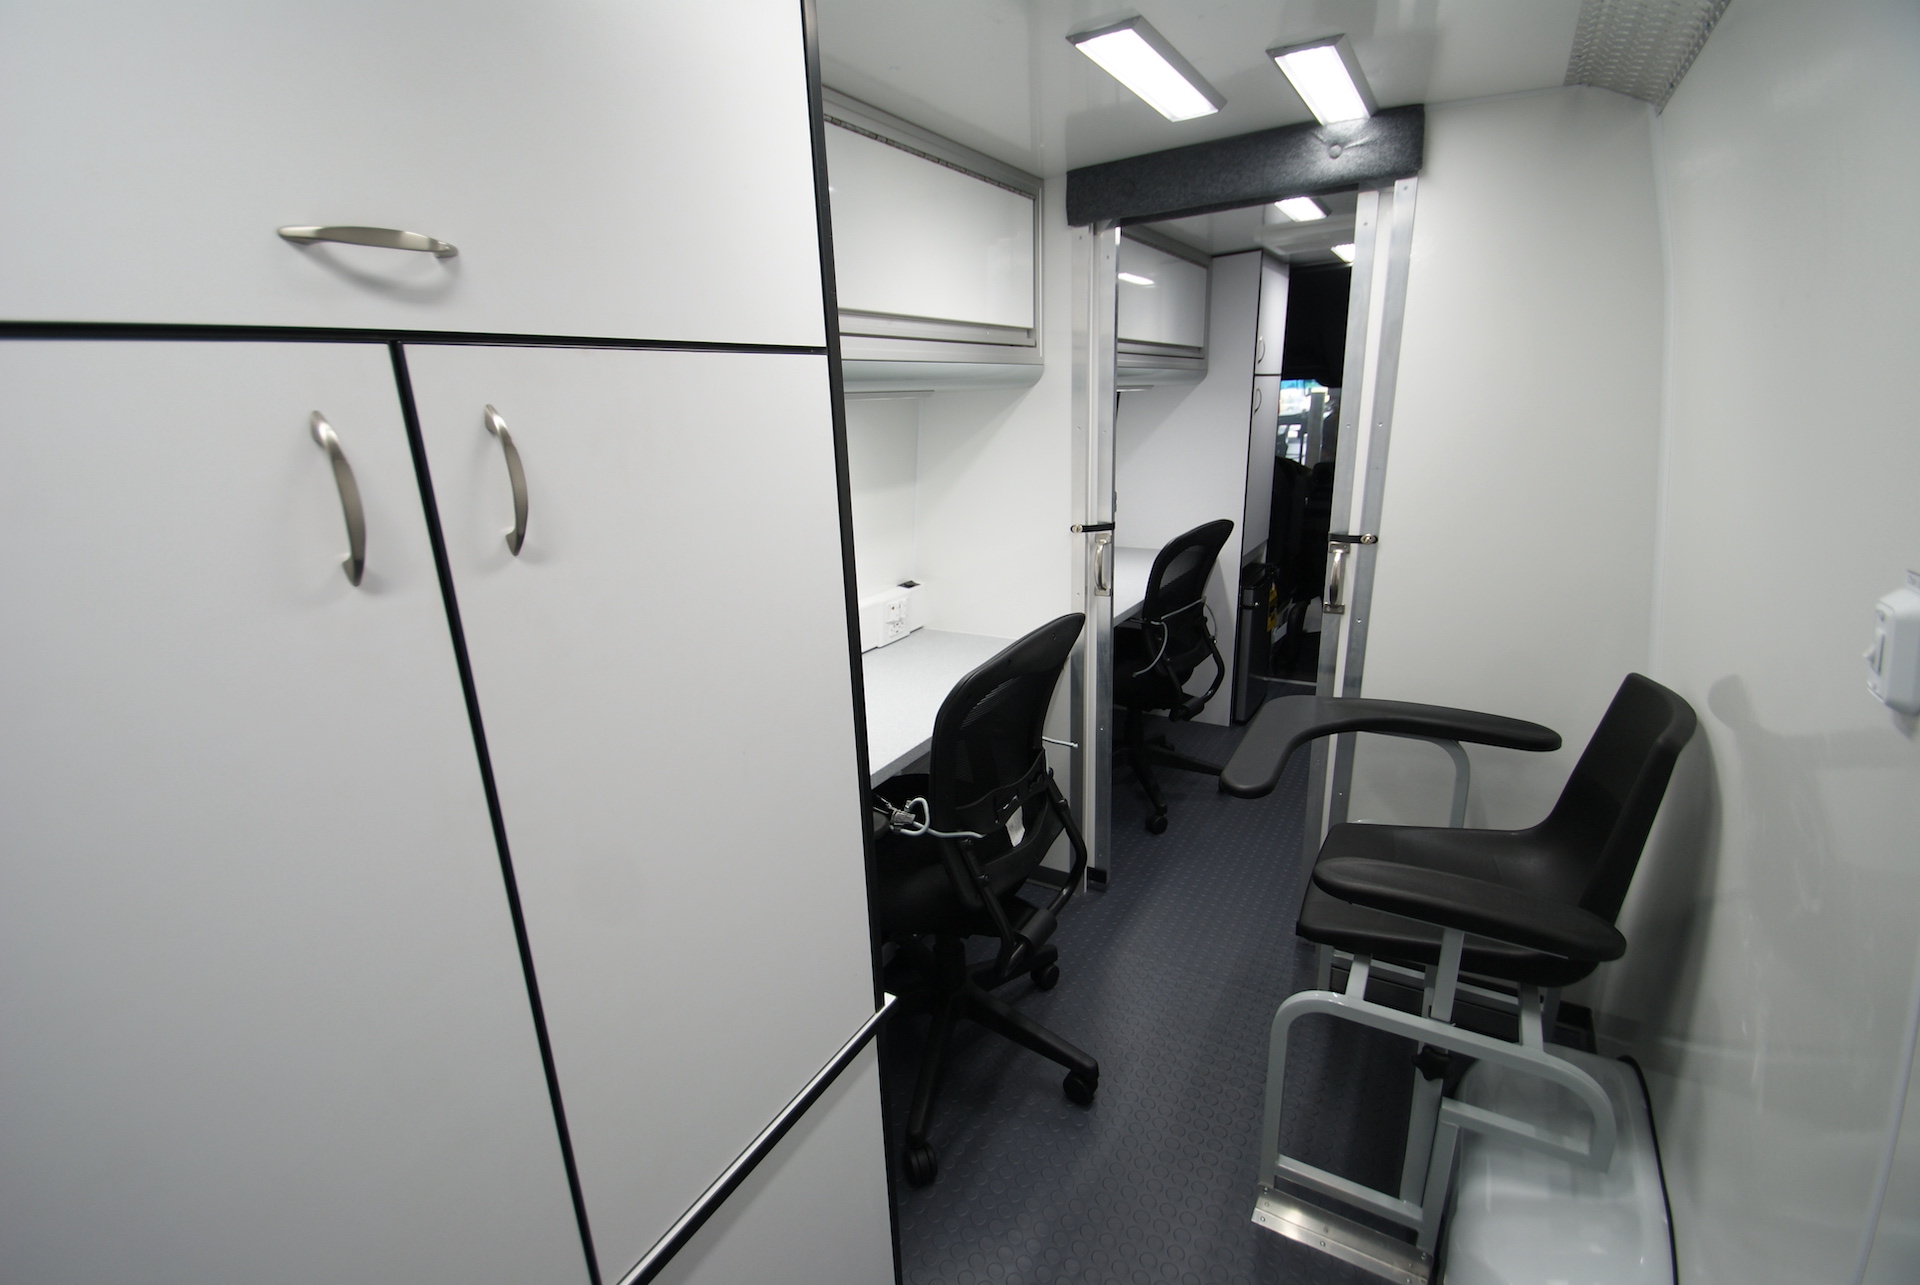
(516, 476)
(355, 563)
(1333, 601)
(382, 238)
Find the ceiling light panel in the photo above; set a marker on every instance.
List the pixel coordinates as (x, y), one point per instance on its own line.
(1345, 252)
(1140, 58)
(1328, 79)
(1301, 209)
(1135, 279)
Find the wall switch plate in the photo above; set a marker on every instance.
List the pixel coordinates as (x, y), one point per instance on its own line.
(1893, 662)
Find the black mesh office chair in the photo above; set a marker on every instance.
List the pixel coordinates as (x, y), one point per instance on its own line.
(955, 846)
(1156, 652)
(1524, 911)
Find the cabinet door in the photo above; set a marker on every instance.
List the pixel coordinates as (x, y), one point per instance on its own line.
(264, 1015)
(1162, 299)
(665, 678)
(601, 167)
(1270, 345)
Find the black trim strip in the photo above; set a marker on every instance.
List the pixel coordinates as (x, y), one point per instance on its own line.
(330, 335)
(417, 443)
(856, 670)
(684, 1227)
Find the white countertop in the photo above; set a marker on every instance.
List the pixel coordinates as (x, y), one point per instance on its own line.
(906, 682)
(1131, 567)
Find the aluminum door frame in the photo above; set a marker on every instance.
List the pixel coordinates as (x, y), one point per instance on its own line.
(1096, 263)
(1376, 313)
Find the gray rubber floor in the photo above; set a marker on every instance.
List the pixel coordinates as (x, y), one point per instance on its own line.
(1170, 978)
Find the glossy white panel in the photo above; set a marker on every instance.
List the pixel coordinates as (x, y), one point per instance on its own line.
(604, 168)
(264, 1014)
(1261, 433)
(1272, 340)
(996, 480)
(916, 238)
(1180, 453)
(1774, 920)
(1166, 303)
(1517, 529)
(883, 456)
(815, 1211)
(664, 675)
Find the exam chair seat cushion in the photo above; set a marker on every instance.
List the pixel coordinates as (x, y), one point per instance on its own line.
(1518, 859)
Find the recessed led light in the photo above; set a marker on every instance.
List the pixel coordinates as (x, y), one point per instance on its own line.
(1345, 252)
(1140, 58)
(1328, 79)
(1301, 209)
(1135, 279)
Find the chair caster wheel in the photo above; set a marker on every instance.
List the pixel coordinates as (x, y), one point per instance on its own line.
(1046, 977)
(1157, 823)
(922, 1166)
(1080, 1087)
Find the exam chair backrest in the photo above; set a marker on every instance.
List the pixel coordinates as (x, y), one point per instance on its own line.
(1607, 807)
(986, 738)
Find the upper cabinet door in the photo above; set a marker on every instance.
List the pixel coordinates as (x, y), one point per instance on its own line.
(1162, 298)
(1271, 339)
(264, 1014)
(927, 240)
(634, 170)
(665, 676)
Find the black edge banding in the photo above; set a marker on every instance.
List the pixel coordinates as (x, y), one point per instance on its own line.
(836, 386)
(416, 443)
(330, 335)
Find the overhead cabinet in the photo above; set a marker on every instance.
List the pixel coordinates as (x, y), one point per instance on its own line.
(936, 255)
(1161, 306)
(152, 154)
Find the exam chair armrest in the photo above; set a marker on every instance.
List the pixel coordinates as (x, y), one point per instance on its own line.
(1472, 905)
(1284, 725)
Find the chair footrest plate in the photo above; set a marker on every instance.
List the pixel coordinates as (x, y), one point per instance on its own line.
(1375, 1252)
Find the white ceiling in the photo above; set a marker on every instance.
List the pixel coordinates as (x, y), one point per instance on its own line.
(1000, 77)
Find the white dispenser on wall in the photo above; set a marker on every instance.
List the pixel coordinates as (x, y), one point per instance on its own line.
(1893, 662)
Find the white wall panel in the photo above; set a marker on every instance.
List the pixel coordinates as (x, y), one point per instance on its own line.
(1168, 305)
(883, 455)
(916, 238)
(1180, 452)
(996, 481)
(640, 170)
(1517, 528)
(1774, 922)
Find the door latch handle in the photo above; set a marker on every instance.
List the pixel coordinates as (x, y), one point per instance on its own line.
(1333, 601)
(1103, 564)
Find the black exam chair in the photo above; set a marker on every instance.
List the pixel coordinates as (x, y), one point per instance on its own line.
(1156, 652)
(953, 849)
(1517, 912)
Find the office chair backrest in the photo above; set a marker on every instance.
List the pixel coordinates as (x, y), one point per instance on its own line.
(1606, 810)
(986, 741)
(1177, 589)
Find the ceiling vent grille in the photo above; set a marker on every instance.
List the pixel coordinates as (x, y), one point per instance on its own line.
(1640, 48)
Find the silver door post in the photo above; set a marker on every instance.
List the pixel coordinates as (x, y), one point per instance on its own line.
(1096, 258)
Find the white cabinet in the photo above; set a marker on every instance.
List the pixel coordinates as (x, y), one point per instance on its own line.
(264, 1015)
(919, 239)
(664, 675)
(599, 166)
(1162, 298)
(1270, 339)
